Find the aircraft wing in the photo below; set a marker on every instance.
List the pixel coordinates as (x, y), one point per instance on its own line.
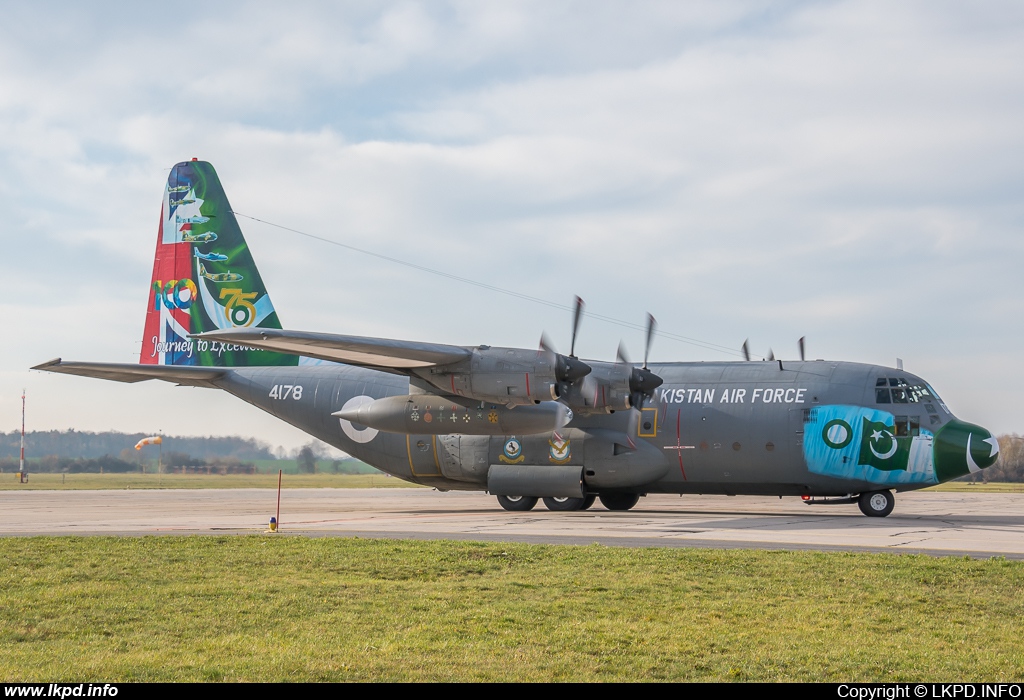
(348, 349)
(180, 375)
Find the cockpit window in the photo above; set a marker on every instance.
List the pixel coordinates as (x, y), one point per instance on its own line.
(919, 393)
(902, 391)
(907, 426)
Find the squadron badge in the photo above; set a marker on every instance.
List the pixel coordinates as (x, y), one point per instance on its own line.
(512, 452)
(560, 450)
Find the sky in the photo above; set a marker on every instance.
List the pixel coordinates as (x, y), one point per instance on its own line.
(851, 172)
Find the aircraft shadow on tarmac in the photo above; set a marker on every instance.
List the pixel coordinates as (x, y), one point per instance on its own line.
(817, 520)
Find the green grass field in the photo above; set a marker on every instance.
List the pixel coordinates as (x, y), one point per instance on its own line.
(9, 482)
(279, 608)
(968, 487)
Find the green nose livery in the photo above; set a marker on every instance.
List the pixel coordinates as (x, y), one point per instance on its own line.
(962, 448)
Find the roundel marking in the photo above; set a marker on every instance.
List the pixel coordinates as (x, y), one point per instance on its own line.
(837, 434)
(361, 436)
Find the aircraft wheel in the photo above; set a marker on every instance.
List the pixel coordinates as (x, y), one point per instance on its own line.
(517, 502)
(619, 501)
(876, 504)
(588, 501)
(564, 503)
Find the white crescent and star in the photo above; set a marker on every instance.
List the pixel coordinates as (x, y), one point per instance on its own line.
(877, 435)
(993, 451)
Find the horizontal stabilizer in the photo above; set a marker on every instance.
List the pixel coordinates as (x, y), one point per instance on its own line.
(348, 349)
(182, 375)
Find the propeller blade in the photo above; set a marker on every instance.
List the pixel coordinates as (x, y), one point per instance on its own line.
(576, 317)
(771, 355)
(634, 422)
(546, 345)
(589, 388)
(746, 350)
(651, 325)
(802, 357)
(621, 356)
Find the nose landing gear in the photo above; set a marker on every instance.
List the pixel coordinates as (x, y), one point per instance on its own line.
(876, 504)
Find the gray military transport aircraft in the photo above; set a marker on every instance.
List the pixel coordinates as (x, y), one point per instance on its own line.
(525, 424)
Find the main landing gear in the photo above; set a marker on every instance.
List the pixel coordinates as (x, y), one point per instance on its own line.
(619, 501)
(611, 501)
(562, 503)
(517, 502)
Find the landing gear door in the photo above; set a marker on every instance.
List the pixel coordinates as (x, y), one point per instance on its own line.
(463, 457)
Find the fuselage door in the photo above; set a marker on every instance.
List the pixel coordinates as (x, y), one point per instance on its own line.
(422, 451)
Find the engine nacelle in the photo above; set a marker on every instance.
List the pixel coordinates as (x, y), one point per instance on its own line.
(508, 376)
(605, 389)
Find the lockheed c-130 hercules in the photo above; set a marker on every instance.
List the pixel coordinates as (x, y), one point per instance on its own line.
(529, 424)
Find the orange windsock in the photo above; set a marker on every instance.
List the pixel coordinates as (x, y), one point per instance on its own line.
(154, 440)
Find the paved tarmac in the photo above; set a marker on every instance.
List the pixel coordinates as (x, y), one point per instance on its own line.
(975, 524)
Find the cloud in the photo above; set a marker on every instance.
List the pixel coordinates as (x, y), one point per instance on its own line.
(848, 171)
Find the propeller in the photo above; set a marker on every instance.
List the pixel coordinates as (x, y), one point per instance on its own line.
(642, 381)
(771, 355)
(568, 368)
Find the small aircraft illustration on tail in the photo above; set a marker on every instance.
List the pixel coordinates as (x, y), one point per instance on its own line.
(219, 277)
(210, 257)
(191, 219)
(207, 237)
(529, 424)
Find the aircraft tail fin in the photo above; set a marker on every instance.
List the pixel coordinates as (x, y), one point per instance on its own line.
(204, 279)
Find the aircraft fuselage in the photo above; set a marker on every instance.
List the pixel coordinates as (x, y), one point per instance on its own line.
(779, 428)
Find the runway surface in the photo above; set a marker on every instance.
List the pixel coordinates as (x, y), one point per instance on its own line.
(934, 523)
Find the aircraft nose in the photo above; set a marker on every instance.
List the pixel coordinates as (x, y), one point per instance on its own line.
(962, 448)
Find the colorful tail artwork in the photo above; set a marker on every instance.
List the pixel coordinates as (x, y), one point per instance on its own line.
(204, 278)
